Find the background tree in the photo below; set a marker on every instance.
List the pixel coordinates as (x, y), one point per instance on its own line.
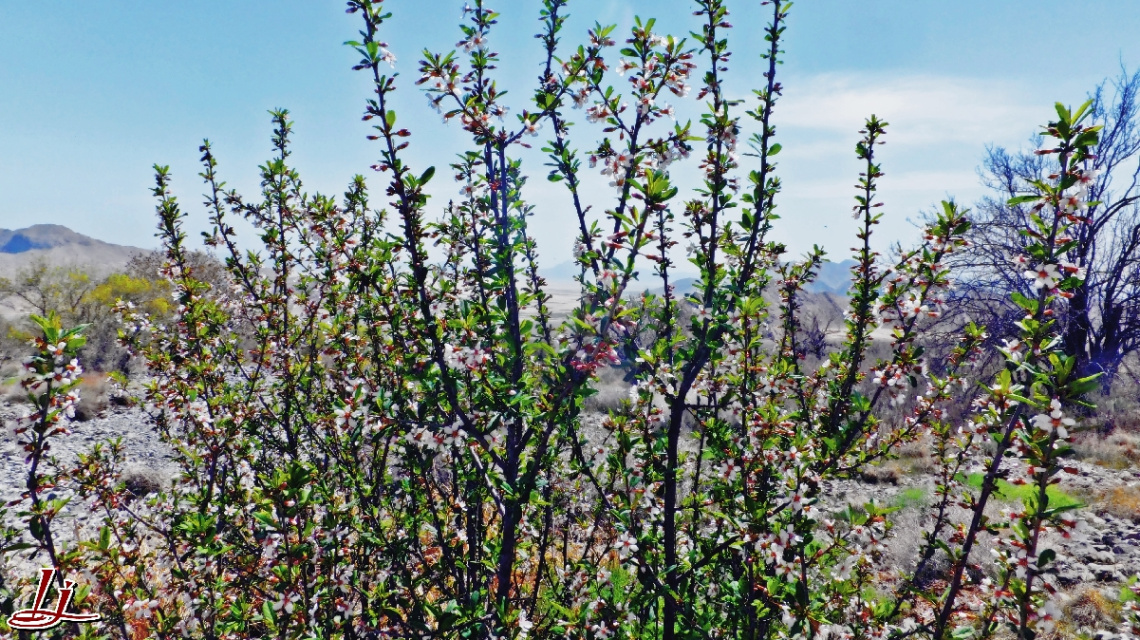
(81, 298)
(41, 288)
(1101, 325)
(46, 287)
(204, 267)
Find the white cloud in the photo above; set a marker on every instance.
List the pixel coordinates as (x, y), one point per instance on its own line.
(939, 127)
(921, 109)
(932, 183)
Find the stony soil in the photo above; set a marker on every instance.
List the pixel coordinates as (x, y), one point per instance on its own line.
(1106, 554)
(146, 458)
(143, 452)
(1107, 551)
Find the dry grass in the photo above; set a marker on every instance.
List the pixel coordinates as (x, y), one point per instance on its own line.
(94, 393)
(1090, 609)
(1119, 411)
(1119, 450)
(886, 472)
(1121, 502)
(917, 457)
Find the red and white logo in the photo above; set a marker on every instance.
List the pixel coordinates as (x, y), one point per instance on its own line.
(38, 618)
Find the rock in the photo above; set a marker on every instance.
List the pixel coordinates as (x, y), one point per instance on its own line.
(1101, 572)
(1074, 575)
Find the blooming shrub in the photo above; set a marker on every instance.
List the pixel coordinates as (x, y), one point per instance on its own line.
(376, 443)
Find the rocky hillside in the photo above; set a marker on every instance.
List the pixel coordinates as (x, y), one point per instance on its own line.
(61, 246)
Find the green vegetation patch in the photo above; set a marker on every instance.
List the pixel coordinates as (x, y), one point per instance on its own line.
(1020, 492)
(914, 497)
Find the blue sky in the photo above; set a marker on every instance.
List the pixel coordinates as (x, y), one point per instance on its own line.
(92, 94)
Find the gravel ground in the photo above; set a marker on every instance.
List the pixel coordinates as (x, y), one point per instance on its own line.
(143, 454)
(142, 449)
(1108, 552)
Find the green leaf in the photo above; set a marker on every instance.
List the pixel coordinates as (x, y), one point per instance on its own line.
(1062, 112)
(961, 633)
(265, 518)
(18, 546)
(1081, 111)
(390, 118)
(36, 528)
(1084, 385)
(1024, 302)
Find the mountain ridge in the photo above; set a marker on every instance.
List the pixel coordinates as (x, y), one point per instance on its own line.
(59, 245)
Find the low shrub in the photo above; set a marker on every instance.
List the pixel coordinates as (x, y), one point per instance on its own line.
(140, 481)
(1091, 610)
(380, 426)
(883, 473)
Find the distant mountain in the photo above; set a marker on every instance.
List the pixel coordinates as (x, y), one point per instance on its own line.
(681, 287)
(61, 246)
(561, 272)
(41, 236)
(834, 277)
(564, 273)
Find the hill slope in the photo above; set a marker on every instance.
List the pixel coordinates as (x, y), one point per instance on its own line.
(59, 245)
